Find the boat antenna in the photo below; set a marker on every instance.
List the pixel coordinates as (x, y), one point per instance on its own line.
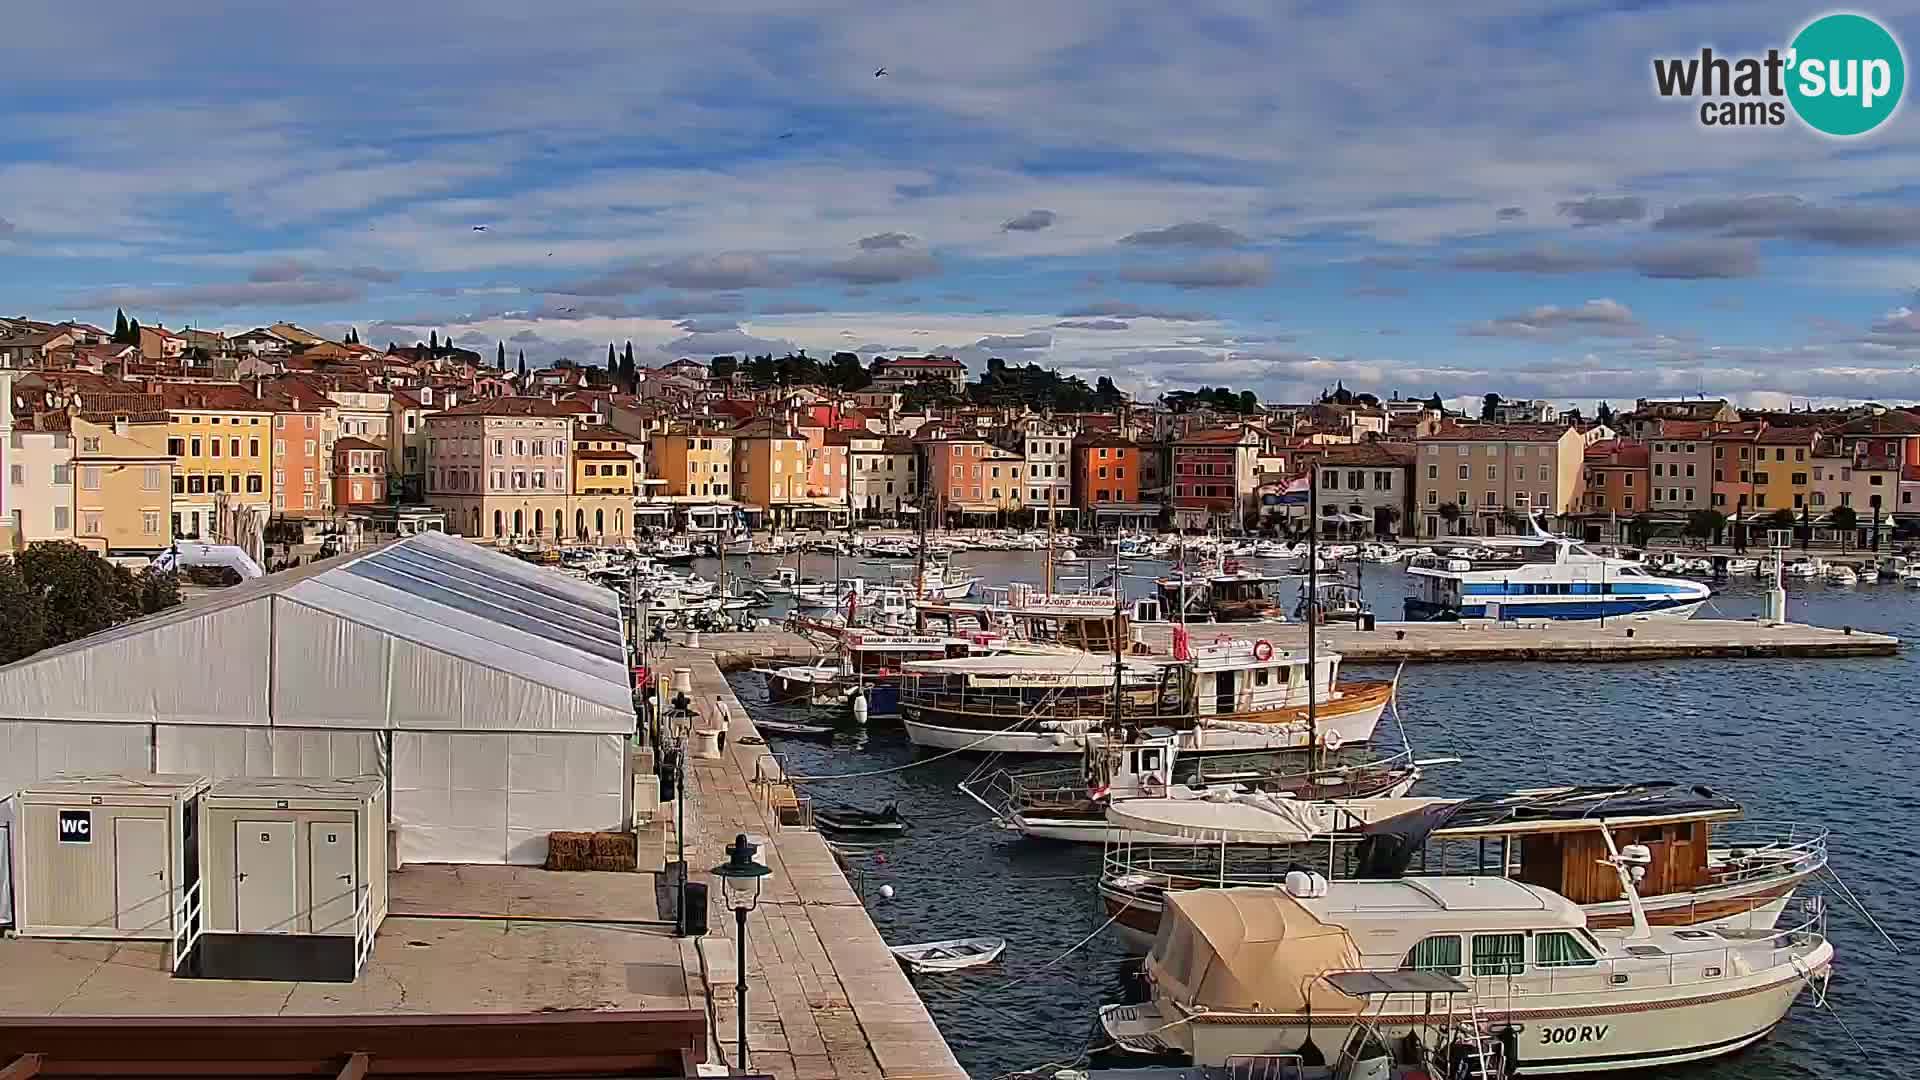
(1313, 610)
(1052, 512)
(1641, 930)
(1118, 631)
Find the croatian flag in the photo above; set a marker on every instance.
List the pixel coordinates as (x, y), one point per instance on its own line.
(1295, 493)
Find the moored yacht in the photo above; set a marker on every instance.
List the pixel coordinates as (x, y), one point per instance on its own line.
(1231, 695)
(1239, 973)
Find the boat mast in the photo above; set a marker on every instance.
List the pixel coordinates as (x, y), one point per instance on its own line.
(1115, 633)
(1313, 607)
(1050, 516)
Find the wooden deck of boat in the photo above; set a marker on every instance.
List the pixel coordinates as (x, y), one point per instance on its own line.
(1617, 641)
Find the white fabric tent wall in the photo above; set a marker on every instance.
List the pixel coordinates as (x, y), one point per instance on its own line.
(33, 749)
(486, 797)
(274, 751)
(206, 669)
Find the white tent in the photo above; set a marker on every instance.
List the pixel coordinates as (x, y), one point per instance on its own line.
(494, 695)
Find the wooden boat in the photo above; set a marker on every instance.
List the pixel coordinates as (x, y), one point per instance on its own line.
(854, 820)
(950, 955)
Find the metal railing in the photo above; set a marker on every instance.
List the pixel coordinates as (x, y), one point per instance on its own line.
(1764, 849)
(188, 921)
(1756, 951)
(363, 928)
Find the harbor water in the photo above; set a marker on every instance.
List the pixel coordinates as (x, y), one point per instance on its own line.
(1826, 742)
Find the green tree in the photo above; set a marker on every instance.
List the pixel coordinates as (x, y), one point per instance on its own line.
(1706, 525)
(1488, 405)
(25, 630)
(761, 371)
(523, 365)
(133, 332)
(433, 342)
(148, 590)
(629, 374)
(1249, 402)
(1845, 520)
(723, 367)
(1106, 395)
(500, 356)
(1450, 513)
(613, 360)
(1436, 404)
(78, 588)
(119, 326)
(845, 372)
(1604, 414)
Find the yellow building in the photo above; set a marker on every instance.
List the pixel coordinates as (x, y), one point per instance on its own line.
(122, 484)
(770, 462)
(694, 463)
(220, 439)
(605, 468)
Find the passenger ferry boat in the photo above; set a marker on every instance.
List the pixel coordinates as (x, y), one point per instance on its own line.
(1230, 695)
(1544, 577)
(1239, 972)
(1709, 867)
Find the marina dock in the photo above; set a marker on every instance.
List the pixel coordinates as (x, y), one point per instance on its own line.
(1622, 640)
(825, 998)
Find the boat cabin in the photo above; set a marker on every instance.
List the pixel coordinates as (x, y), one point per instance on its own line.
(1090, 623)
(884, 655)
(1255, 677)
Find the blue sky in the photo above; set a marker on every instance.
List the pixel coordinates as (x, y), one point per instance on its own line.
(1485, 196)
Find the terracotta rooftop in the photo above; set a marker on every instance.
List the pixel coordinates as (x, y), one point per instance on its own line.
(1614, 454)
(518, 406)
(354, 442)
(1541, 433)
(1891, 422)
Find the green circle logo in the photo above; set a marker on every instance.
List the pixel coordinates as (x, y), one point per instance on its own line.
(1846, 74)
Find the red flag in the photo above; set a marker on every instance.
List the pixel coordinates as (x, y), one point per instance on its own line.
(1182, 645)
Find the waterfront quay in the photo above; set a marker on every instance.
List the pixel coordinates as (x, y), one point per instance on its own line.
(1618, 640)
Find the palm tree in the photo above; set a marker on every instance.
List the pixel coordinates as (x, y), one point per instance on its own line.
(1450, 514)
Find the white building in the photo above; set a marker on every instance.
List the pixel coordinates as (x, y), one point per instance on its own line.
(1048, 447)
(493, 696)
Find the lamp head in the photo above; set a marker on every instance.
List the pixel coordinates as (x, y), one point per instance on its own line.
(740, 875)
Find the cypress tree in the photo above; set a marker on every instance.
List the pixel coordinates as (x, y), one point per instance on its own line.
(133, 332)
(119, 326)
(523, 365)
(433, 342)
(500, 356)
(612, 364)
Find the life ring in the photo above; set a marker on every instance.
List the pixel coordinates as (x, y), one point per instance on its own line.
(1331, 740)
(1263, 650)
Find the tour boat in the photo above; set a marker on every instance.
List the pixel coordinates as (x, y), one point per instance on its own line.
(1070, 805)
(1241, 973)
(1711, 869)
(1231, 594)
(1230, 695)
(1545, 577)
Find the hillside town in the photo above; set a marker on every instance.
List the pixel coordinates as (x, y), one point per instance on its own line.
(277, 439)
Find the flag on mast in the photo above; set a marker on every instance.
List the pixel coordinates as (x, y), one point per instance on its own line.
(1295, 493)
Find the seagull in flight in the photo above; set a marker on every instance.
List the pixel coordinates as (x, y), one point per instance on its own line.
(479, 228)
(566, 311)
(879, 72)
(788, 135)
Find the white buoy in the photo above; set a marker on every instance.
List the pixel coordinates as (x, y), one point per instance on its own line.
(886, 892)
(859, 707)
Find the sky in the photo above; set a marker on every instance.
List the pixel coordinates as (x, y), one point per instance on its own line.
(1404, 199)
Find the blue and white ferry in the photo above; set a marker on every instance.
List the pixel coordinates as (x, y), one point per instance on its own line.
(1544, 577)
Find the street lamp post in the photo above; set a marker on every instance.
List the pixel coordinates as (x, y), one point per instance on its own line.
(740, 879)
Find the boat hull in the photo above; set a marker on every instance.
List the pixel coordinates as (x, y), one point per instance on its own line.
(1559, 1033)
(1349, 718)
(1039, 826)
(1418, 610)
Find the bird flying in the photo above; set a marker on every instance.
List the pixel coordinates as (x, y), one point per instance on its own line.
(880, 72)
(479, 228)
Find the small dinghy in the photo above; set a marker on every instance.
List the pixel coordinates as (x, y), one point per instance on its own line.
(788, 727)
(950, 955)
(850, 820)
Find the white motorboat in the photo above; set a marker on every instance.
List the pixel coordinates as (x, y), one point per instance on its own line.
(954, 955)
(1230, 695)
(1242, 973)
(1273, 549)
(948, 583)
(1546, 577)
(1804, 568)
(1841, 574)
(1869, 573)
(1742, 567)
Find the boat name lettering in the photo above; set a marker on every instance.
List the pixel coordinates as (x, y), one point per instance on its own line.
(1582, 1034)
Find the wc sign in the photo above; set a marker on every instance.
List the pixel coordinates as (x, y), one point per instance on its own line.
(76, 826)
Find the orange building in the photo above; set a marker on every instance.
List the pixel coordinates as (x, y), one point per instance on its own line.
(359, 473)
(300, 465)
(1106, 471)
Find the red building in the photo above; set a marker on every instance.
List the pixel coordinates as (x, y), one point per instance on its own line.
(1216, 477)
(359, 473)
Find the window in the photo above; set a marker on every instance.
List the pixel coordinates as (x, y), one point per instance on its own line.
(1433, 472)
(1874, 480)
(63, 474)
(217, 484)
(1460, 500)
(1798, 500)
(214, 446)
(1689, 494)
(61, 519)
(1464, 449)
(1499, 954)
(196, 485)
(1493, 472)
(1780, 453)
(1433, 450)
(253, 447)
(235, 446)
(1626, 502)
(1758, 478)
(1800, 478)
(1520, 499)
(1544, 501)
(89, 522)
(1689, 470)
(176, 447)
(90, 477)
(1464, 474)
(1433, 497)
(1438, 953)
(1557, 948)
(179, 484)
(150, 522)
(1846, 499)
(1493, 499)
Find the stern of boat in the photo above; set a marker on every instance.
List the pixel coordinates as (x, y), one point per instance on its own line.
(1141, 1029)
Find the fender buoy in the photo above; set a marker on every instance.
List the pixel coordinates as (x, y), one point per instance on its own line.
(1331, 740)
(1263, 650)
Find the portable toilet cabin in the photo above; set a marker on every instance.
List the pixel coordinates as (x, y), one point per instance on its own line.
(295, 877)
(105, 855)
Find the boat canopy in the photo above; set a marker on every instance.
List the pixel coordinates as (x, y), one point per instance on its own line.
(1388, 844)
(1253, 819)
(1251, 949)
(1381, 983)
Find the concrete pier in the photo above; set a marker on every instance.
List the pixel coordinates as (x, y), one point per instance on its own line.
(1618, 640)
(825, 998)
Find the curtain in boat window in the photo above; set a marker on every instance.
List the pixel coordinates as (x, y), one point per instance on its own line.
(1499, 954)
(1560, 949)
(1438, 953)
